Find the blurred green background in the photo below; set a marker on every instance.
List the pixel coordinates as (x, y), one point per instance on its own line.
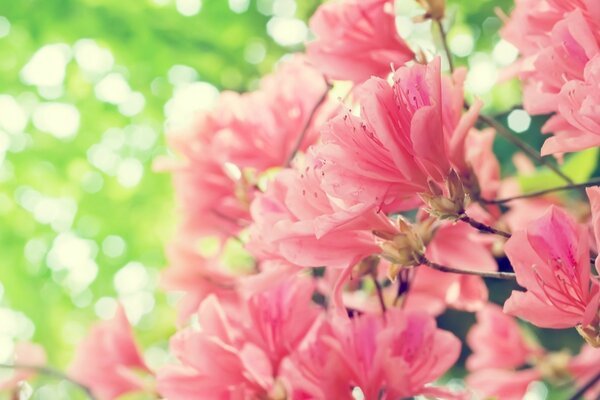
(88, 89)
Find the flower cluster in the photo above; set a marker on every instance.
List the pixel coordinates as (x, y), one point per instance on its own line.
(366, 217)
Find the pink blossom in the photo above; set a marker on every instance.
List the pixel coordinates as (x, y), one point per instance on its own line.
(397, 356)
(28, 354)
(261, 128)
(502, 384)
(551, 260)
(578, 105)
(198, 278)
(557, 40)
(356, 39)
(497, 341)
(297, 221)
(108, 360)
(584, 367)
(408, 134)
(240, 354)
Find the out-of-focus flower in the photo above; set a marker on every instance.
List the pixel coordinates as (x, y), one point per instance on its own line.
(108, 360)
(197, 277)
(240, 354)
(356, 39)
(557, 41)
(584, 367)
(395, 357)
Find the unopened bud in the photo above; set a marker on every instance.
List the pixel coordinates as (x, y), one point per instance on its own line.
(591, 334)
(366, 266)
(441, 206)
(403, 249)
(555, 366)
(434, 9)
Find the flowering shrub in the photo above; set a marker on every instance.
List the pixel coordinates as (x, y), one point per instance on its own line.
(368, 215)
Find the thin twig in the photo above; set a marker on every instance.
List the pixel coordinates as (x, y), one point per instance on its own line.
(379, 291)
(445, 268)
(54, 373)
(590, 384)
(445, 44)
(526, 148)
(483, 227)
(592, 182)
(307, 125)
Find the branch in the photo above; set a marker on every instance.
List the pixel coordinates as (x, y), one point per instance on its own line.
(444, 268)
(307, 125)
(445, 44)
(54, 373)
(483, 227)
(526, 148)
(592, 182)
(590, 384)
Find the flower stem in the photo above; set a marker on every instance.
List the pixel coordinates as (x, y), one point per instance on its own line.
(54, 373)
(307, 125)
(480, 226)
(526, 148)
(379, 291)
(591, 383)
(445, 44)
(445, 268)
(592, 182)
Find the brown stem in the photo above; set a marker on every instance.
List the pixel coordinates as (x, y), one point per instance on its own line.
(483, 227)
(307, 125)
(590, 384)
(54, 373)
(526, 148)
(445, 44)
(444, 268)
(592, 182)
(379, 291)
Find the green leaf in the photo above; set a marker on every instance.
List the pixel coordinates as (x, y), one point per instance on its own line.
(579, 167)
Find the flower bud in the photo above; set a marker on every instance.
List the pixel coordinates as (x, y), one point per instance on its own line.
(555, 366)
(591, 334)
(434, 9)
(403, 249)
(441, 206)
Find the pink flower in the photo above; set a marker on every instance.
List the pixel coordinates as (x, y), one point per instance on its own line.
(501, 384)
(262, 128)
(584, 367)
(244, 135)
(551, 260)
(398, 356)
(497, 342)
(499, 350)
(557, 40)
(198, 278)
(25, 353)
(408, 134)
(297, 221)
(240, 354)
(108, 360)
(578, 105)
(356, 39)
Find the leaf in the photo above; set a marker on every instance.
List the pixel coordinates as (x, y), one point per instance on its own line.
(579, 167)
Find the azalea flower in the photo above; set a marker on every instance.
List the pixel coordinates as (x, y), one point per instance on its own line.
(108, 360)
(388, 358)
(551, 260)
(356, 39)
